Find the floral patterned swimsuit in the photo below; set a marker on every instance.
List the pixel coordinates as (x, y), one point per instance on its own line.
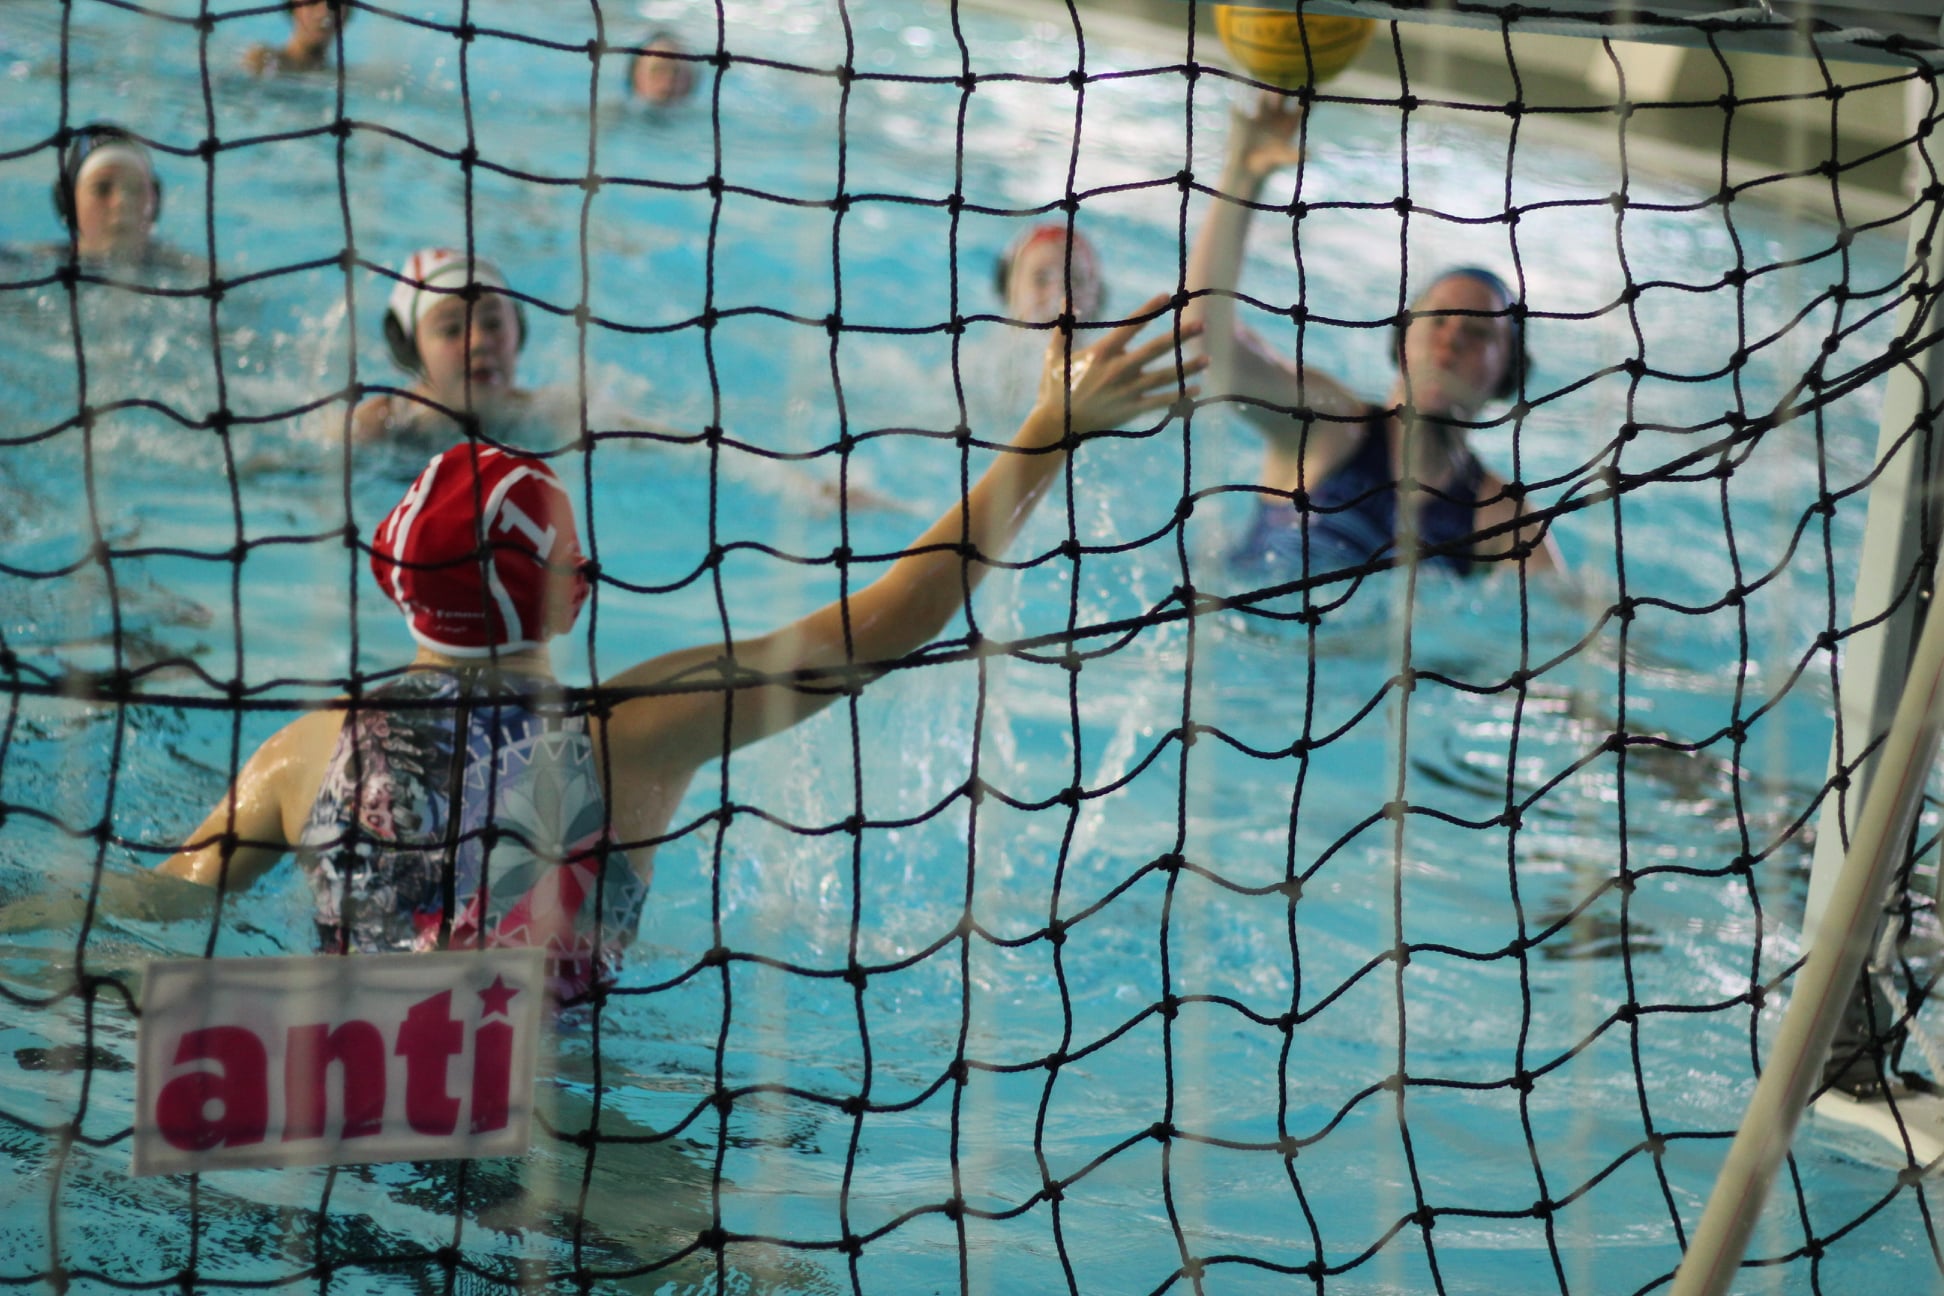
(422, 840)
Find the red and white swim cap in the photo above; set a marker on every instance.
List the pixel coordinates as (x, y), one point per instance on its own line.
(440, 269)
(472, 551)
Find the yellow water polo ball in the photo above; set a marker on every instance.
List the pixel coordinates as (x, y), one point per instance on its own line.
(1269, 43)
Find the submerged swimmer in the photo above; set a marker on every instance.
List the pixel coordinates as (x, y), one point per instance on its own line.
(452, 324)
(661, 76)
(314, 27)
(109, 197)
(471, 801)
(1336, 466)
(1031, 276)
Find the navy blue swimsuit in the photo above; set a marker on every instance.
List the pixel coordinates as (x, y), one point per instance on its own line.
(1351, 515)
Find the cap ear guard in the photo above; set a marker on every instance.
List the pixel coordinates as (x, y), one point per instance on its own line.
(404, 352)
(82, 143)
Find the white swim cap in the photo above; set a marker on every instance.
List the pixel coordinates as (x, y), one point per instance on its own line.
(435, 268)
(111, 151)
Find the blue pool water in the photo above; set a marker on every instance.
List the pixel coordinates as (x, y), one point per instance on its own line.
(781, 1028)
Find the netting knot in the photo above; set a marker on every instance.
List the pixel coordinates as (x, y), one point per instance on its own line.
(1425, 1218)
(716, 956)
(953, 1207)
(469, 158)
(1627, 1012)
(1523, 1081)
(1161, 1131)
(1192, 1269)
(715, 1237)
(1543, 1207)
(855, 976)
(855, 1105)
(1184, 180)
(1656, 1145)
(1401, 205)
(833, 324)
(1757, 997)
(1410, 103)
(1052, 1191)
(1169, 863)
(1056, 933)
(967, 82)
(852, 1244)
(1288, 1147)
(960, 1071)
(723, 1101)
(1401, 955)
(1395, 810)
(1291, 889)
(1625, 610)
(1068, 797)
(852, 824)
(68, 275)
(1077, 79)
(466, 32)
(714, 185)
(1628, 431)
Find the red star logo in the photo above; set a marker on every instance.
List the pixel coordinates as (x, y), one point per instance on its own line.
(496, 997)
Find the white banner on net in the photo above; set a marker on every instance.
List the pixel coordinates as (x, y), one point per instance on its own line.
(318, 1061)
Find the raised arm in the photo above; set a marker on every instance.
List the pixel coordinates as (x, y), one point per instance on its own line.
(1103, 386)
(1240, 363)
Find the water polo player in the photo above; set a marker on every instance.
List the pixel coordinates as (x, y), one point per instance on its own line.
(109, 197)
(314, 27)
(464, 801)
(660, 76)
(451, 324)
(1031, 275)
(1462, 348)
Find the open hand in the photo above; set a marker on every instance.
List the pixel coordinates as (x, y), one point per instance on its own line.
(1107, 384)
(1264, 140)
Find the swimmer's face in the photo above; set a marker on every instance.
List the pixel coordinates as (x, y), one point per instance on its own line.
(1455, 362)
(314, 20)
(658, 80)
(1036, 288)
(114, 207)
(481, 357)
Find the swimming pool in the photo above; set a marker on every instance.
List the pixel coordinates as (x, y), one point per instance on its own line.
(1165, 995)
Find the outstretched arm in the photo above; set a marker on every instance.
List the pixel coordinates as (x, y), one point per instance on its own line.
(1103, 386)
(1241, 364)
(247, 832)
